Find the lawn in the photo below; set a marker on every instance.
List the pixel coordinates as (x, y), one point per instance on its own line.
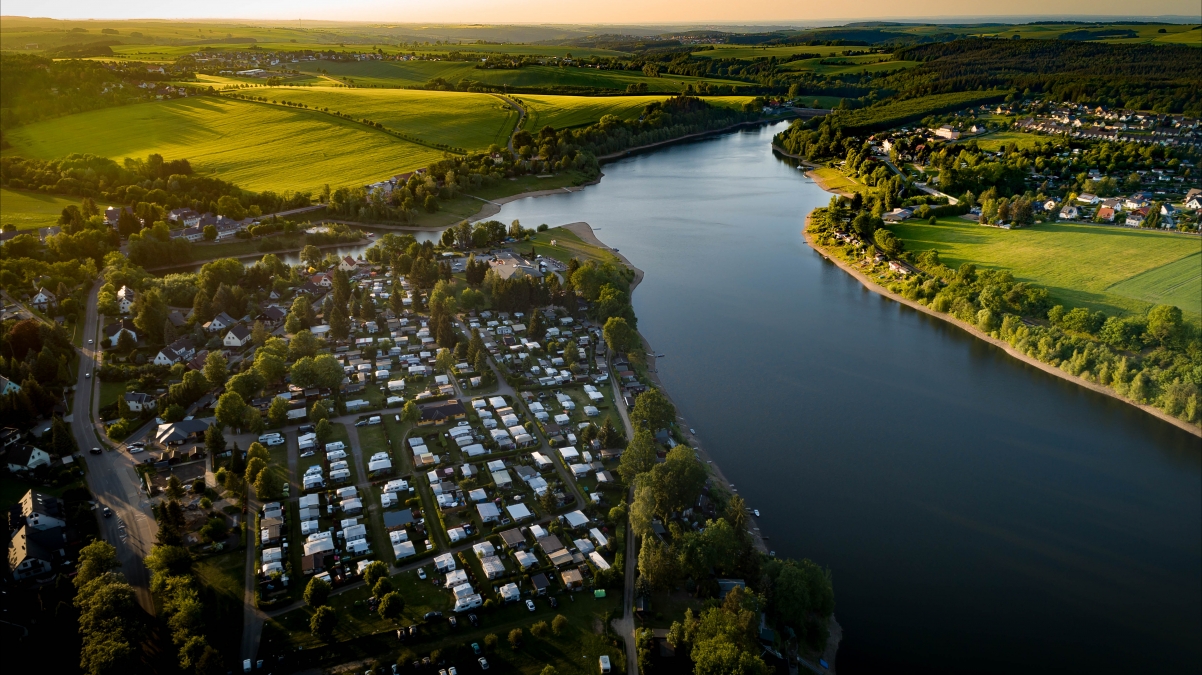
(458, 119)
(257, 146)
(836, 180)
(568, 246)
(993, 142)
(1112, 269)
(32, 210)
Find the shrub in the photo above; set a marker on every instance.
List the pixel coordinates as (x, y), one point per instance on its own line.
(323, 622)
(515, 638)
(559, 624)
(540, 629)
(490, 641)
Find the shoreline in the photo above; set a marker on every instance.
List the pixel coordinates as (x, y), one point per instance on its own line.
(613, 156)
(585, 232)
(1001, 344)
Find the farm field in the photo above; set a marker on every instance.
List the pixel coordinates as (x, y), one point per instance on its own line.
(418, 73)
(1112, 269)
(459, 119)
(1144, 32)
(573, 111)
(32, 210)
(257, 146)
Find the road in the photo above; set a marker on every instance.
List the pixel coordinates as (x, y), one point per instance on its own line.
(110, 475)
(625, 625)
(252, 618)
(521, 118)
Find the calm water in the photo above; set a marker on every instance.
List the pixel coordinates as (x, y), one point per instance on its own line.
(978, 515)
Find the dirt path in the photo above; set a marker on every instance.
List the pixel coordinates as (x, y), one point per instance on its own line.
(1000, 344)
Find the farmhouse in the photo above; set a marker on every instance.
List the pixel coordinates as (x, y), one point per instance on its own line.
(113, 331)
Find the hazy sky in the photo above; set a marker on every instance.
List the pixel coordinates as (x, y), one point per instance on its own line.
(606, 11)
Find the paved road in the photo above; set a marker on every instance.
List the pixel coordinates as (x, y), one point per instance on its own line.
(111, 476)
(625, 625)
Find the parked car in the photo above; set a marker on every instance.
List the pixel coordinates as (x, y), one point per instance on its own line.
(473, 620)
(88, 375)
(476, 648)
(483, 663)
(108, 513)
(430, 616)
(421, 573)
(530, 605)
(452, 671)
(453, 621)
(95, 451)
(413, 630)
(306, 429)
(553, 601)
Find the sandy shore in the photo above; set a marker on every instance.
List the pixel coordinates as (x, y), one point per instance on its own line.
(1000, 344)
(491, 207)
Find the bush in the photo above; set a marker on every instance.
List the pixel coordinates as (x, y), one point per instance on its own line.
(391, 604)
(559, 624)
(540, 630)
(490, 641)
(323, 622)
(515, 638)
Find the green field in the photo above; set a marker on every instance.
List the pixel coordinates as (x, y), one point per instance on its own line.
(1145, 32)
(1112, 269)
(458, 119)
(573, 111)
(257, 146)
(417, 73)
(31, 210)
(749, 52)
(868, 63)
(992, 142)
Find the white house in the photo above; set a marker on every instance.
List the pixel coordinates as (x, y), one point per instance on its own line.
(7, 386)
(239, 336)
(1087, 198)
(113, 331)
(219, 323)
(1069, 213)
(125, 299)
(27, 458)
(138, 402)
(43, 299)
(348, 264)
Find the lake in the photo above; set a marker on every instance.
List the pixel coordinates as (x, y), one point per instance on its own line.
(977, 514)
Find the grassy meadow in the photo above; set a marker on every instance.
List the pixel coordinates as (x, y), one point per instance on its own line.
(868, 63)
(750, 52)
(459, 119)
(1113, 269)
(993, 141)
(257, 146)
(573, 111)
(32, 210)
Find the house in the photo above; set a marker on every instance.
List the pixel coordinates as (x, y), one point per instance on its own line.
(198, 362)
(138, 402)
(125, 299)
(177, 319)
(348, 264)
(1088, 198)
(272, 316)
(572, 579)
(26, 458)
(185, 216)
(167, 357)
(180, 351)
(322, 279)
(180, 432)
(439, 412)
(38, 511)
(947, 132)
(43, 299)
(239, 336)
(113, 331)
(1049, 205)
(539, 583)
(897, 215)
(219, 323)
(1134, 220)
(7, 386)
(1069, 213)
(34, 552)
(1106, 214)
(513, 538)
(1194, 203)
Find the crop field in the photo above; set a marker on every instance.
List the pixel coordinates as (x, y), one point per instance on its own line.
(1113, 269)
(418, 73)
(257, 146)
(458, 119)
(32, 210)
(573, 111)
(1143, 32)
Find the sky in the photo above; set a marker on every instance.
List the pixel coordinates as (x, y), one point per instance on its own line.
(607, 11)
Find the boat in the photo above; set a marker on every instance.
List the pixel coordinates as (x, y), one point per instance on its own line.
(756, 512)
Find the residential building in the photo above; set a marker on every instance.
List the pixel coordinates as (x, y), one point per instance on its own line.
(39, 511)
(348, 264)
(33, 552)
(138, 402)
(239, 336)
(113, 331)
(125, 299)
(7, 386)
(26, 458)
(220, 323)
(43, 299)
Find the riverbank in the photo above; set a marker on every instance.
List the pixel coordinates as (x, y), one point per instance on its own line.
(811, 172)
(1001, 344)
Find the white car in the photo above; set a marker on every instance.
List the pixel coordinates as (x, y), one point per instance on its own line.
(530, 605)
(89, 342)
(278, 440)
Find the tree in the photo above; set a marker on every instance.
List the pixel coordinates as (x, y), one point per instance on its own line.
(490, 641)
(445, 361)
(642, 511)
(410, 414)
(126, 342)
(677, 482)
(340, 324)
(374, 572)
(247, 384)
(540, 630)
(1165, 325)
(95, 560)
(303, 344)
(319, 412)
(652, 411)
(639, 456)
(324, 431)
(254, 466)
(269, 484)
(559, 624)
(210, 232)
(175, 488)
(257, 449)
(621, 338)
(317, 592)
(231, 410)
(214, 441)
(270, 366)
(657, 565)
(311, 254)
(515, 638)
(381, 588)
(215, 369)
(391, 605)
(323, 622)
(277, 412)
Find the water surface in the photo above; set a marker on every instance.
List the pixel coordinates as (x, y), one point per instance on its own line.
(978, 515)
